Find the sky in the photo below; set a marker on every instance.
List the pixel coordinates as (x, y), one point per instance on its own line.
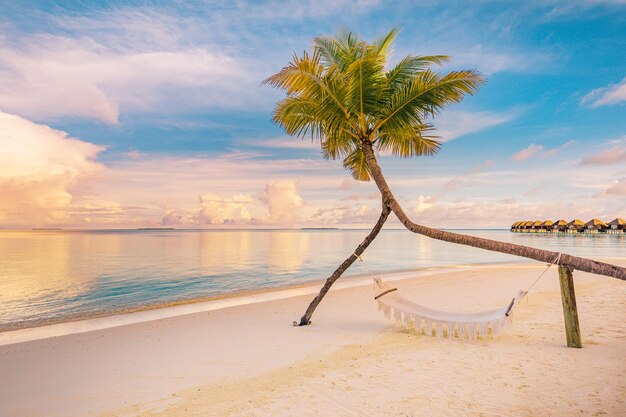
(153, 114)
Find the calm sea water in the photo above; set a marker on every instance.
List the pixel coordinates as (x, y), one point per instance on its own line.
(59, 275)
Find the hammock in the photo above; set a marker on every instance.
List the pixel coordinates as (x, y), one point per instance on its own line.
(428, 321)
(431, 322)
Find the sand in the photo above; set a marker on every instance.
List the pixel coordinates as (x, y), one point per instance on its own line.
(246, 359)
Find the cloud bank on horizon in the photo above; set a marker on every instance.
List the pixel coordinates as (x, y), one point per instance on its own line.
(113, 115)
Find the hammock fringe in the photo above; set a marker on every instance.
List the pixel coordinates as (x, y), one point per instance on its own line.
(477, 326)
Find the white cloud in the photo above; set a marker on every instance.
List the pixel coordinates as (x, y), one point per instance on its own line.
(490, 62)
(216, 210)
(540, 151)
(612, 94)
(286, 143)
(466, 179)
(424, 203)
(560, 8)
(99, 73)
(283, 201)
(171, 218)
(346, 214)
(39, 166)
(453, 124)
(296, 9)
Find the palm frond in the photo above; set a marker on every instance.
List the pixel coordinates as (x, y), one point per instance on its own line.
(357, 165)
(338, 145)
(426, 95)
(340, 94)
(410, 67)
(364, 78)
(383, 45)
(409, 141)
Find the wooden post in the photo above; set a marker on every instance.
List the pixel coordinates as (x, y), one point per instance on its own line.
(570, 312)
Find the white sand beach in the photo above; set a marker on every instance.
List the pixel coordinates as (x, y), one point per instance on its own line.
(247, 360)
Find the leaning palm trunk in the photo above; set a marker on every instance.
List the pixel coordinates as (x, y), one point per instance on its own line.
(344, 95)
(574, 262)
(306, 319)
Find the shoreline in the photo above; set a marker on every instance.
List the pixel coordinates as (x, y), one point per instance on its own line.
(106, 319)
(245, 293)
(141, 314)
(241, 356)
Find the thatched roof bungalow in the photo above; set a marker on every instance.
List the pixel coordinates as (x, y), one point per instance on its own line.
(560, 225)
(576, 225)
(537, 224)
(596, 225)
(547, 224)
(617, 224)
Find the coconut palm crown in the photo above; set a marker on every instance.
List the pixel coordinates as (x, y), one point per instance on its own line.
(342, 94)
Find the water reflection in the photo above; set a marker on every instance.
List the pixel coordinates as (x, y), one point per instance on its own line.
(287, 250)
(34, 264)
(219, 252)
(63, 274)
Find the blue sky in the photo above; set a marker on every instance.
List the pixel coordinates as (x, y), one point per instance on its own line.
(159, 114)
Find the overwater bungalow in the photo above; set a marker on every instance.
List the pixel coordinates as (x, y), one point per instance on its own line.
(546, 226)
(595, 226)
(575, 226)
(559, 226)
(617, 226)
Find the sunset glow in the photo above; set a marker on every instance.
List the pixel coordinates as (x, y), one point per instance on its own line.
(121, 116)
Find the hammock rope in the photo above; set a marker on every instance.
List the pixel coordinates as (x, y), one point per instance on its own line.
(431, 322)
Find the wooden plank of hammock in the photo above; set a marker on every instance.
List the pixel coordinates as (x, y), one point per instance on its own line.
(570, 312)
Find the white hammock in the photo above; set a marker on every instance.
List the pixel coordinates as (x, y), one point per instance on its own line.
(431, 322)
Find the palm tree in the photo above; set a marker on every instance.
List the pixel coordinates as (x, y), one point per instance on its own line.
(342, 95)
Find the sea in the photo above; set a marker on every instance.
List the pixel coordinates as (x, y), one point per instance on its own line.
(61, 275)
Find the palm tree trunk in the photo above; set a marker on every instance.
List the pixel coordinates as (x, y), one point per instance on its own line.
(306, 319)
(574, 262)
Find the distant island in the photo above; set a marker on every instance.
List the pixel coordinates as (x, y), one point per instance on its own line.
(155, 228)
(319, 228)
(46, 228)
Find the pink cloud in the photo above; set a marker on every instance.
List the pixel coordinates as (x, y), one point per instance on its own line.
(558, 149)
(617, 189)
(528, 152)
(361, 197)
(39, 169)
(467, 178)
(497, 213)
(609, 156)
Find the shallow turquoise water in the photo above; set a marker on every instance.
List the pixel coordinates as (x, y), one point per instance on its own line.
(54, 275)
